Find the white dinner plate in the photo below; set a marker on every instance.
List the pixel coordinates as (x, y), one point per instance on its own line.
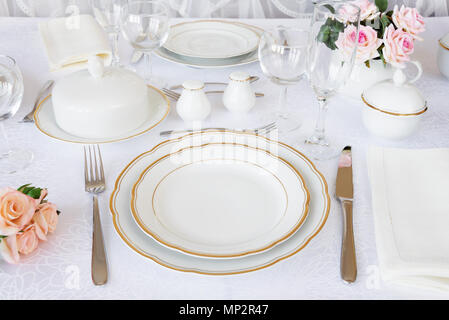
(44, 120)
(139, 241)
(220, 200)
(211, 39)
(211, 63)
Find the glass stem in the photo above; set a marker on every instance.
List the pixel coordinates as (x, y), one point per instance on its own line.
(4, 147)
(319, 135)
(114, 36)
(283, 102)
(148, 73)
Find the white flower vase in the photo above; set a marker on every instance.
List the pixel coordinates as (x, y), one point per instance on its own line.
(363, 77)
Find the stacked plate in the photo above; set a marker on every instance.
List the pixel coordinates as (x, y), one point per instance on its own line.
(211, 44)
(219, 203)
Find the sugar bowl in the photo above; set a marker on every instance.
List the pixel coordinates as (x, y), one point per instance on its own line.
(393, 109)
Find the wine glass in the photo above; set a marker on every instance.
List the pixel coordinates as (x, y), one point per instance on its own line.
(107, 13)
(334, 39)
(11, 94)
(145, 25)
(283, 59)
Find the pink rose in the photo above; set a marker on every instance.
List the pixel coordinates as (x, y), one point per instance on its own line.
(16, 211)
(8, 249)
(45, 220)
(368, 43)
(398, 46)
(408, 19)
(27, 240)
(368, 10)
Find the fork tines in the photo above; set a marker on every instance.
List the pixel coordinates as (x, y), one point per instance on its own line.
(93, 168)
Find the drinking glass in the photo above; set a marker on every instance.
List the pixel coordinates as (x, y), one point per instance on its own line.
(145, 25)
(107, 13)
(333, 47)
(11, 94)
(283, 59)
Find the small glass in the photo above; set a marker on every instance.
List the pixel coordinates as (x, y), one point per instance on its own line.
(11, 94)
(145, 24)
(107, 13)
(283, 59)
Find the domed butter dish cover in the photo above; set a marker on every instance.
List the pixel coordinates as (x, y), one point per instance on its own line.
(393, 108)
(100, 102)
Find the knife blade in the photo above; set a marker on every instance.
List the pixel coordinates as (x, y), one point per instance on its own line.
(345, 193)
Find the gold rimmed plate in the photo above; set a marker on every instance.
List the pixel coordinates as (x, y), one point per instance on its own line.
(141, 243)
(44, 120)
(220, 200)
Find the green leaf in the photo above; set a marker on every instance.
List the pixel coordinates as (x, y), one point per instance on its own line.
(23, 187)
(58, 212)
(331, 9)
(35, 193)
(382, 5)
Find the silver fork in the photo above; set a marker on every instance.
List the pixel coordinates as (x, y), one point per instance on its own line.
(95, 184)
(261, 130)
(175, 96)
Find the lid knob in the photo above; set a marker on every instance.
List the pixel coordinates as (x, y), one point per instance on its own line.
(95, 65)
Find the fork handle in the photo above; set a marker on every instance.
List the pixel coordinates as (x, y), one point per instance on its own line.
(348, 267)
(99, 263)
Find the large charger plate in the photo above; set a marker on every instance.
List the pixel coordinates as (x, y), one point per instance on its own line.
(139, 242)
(220, 200)
(212, 63)
(212, 39)
(45, 121)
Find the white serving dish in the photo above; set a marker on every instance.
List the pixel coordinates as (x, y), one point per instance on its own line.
(393, 108)
(44, 119)
(443, 55)
(149, 248)
(100, 102)
(211, 39)
(221, 201)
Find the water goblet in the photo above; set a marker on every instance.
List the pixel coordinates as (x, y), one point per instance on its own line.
(333, 48)
(11, 94)
(283, 59)
(145, 24)
(107, 13)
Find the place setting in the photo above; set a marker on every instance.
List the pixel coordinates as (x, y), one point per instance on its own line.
(213, 199)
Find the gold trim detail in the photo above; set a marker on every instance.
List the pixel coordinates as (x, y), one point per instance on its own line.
(298, 224)
(442, 45)
(394, 113)
(36, 122)
(312, 235)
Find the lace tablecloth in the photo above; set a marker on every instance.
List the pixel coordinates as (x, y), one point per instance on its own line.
(60, 268)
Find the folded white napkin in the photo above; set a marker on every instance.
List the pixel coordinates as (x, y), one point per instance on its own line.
(70, 41)
(410, 194)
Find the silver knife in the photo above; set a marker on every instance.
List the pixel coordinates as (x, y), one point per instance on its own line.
(345, 193)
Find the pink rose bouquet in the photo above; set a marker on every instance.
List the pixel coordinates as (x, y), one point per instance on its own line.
(25, 219)
(383, 35)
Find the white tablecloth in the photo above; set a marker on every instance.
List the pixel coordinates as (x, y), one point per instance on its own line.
(60, 268)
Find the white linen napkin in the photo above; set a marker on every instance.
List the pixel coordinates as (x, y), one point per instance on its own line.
(70, 41)
(410, 195)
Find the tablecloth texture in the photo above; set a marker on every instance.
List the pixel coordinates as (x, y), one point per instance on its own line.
(60, 268)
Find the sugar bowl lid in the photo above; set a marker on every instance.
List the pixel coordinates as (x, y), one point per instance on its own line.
(398, 96)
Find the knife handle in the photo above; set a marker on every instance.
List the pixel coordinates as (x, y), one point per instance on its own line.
(348, 267)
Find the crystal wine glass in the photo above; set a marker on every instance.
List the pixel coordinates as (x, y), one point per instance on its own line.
(107, 13)
(334, 39)
(11, 94)
(145, 24)
(283, 59)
